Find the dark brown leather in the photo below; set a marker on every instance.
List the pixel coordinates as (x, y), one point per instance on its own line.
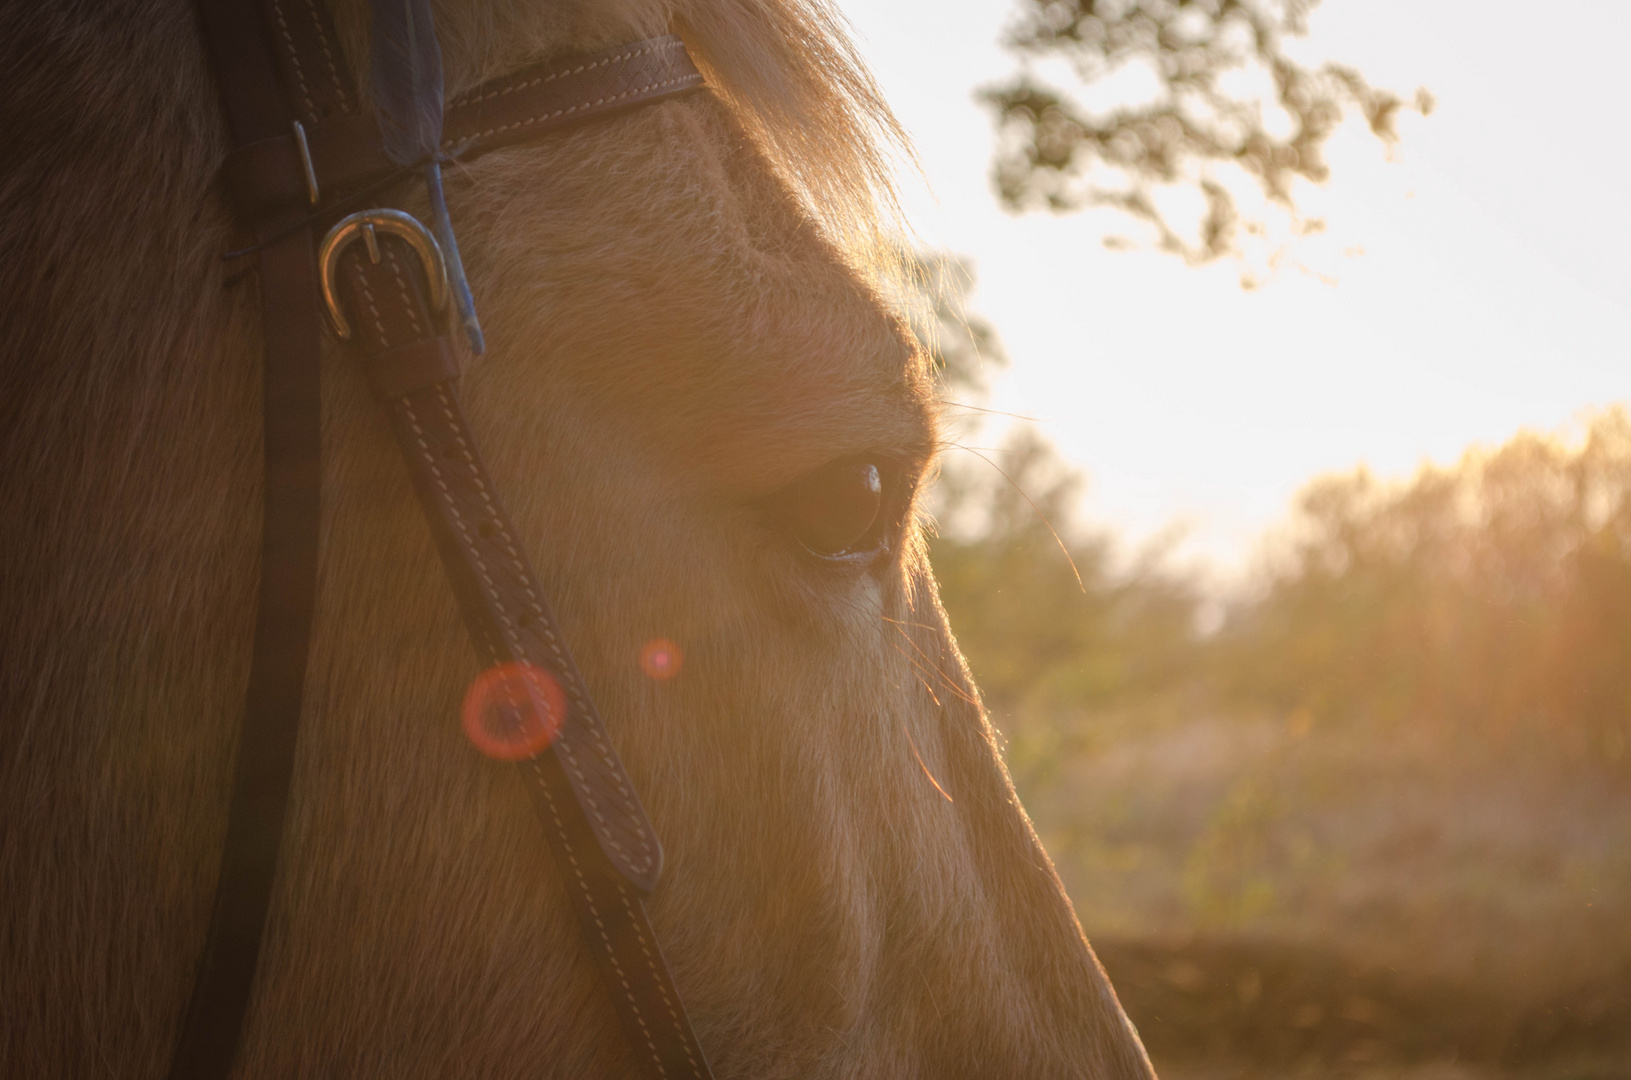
(410, 367)
(482, 552)
(269, 175)
(311, 67)
(288, 577)
(604, 847)
(597, 832)
(612, 920)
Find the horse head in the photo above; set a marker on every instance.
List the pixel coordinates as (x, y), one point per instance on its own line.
(713, 431)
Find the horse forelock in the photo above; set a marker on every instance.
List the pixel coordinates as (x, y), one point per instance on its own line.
(680, 324)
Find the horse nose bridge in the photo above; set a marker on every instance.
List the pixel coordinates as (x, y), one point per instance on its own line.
(1059, 1005)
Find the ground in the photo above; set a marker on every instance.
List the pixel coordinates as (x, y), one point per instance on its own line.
(1276, 899)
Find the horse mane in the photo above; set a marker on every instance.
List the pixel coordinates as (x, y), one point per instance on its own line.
(792, 73)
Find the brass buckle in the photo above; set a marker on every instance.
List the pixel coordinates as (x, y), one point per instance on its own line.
(363, 225)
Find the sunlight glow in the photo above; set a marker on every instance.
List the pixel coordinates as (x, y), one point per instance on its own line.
(1470, 283)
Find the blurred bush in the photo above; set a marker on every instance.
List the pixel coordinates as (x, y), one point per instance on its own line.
(1053, 628)
(1043, 614)
(1380, 816)
(1491, 600)
(1377, 817)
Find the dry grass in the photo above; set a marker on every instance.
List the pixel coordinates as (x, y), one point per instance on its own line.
(1326, 902)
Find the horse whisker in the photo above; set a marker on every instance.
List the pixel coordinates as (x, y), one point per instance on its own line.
(913, 744)
(1052, 531)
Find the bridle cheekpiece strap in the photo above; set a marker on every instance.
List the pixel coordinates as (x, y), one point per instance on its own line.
(304, 153)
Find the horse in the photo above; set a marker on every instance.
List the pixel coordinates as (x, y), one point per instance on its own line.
(687, 315)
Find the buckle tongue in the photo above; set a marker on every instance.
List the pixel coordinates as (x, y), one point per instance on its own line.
(363, 225)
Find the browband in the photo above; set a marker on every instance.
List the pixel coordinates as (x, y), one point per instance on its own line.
(344, 154)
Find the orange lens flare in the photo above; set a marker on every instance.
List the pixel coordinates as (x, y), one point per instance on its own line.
(660, 659)
(513, 711)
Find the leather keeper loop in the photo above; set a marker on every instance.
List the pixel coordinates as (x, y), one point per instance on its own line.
(262, 177)
(397, 372)
(266, 176)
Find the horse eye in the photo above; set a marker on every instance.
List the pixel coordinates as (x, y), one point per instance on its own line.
(832, 510)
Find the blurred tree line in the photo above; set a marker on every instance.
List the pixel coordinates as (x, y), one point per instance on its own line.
(1488, 601)
(1050, 620)
(1389, 740)
(1040, 606)
(1491, 599)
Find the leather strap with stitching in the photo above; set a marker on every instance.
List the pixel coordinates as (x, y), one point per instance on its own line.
(509, 620)
(602, 843)
(504, 609)
(269, 173)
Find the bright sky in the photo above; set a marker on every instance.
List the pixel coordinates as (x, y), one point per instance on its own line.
(1481, 276)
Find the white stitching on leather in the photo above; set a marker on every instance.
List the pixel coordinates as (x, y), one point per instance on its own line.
(552, 76)
(508, 628)
(574, 108)
(294, 58)
(408, 304)
(589, 899)
(361, 278)
(651, 961)
(328, 53)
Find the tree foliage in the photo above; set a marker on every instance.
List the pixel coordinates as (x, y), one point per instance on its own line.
(1491, 599)
(1199, 127)
(1044, 613)
(1053, 627)
(1043, 608)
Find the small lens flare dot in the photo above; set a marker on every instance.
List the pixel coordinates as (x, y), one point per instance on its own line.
(660, 659)
(513, 711)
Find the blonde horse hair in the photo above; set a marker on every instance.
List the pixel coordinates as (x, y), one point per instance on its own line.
(679, 326)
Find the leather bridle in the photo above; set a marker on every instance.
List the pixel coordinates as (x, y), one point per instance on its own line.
(305, 157)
